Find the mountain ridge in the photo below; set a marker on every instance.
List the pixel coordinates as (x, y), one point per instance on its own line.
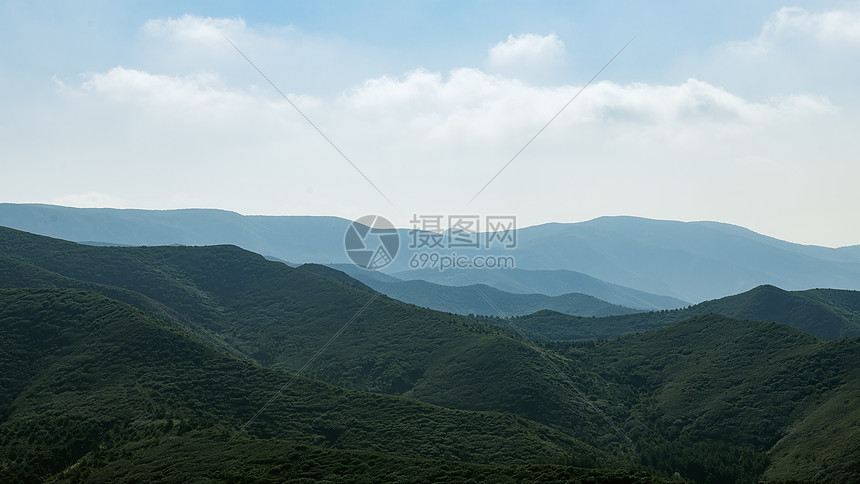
(472, 299)
(824, 313)
(549, 282)
(690, 261)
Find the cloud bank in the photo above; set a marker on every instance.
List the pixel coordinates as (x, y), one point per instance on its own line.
(218, 136)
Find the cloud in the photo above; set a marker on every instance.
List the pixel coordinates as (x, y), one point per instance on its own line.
(124, 84)
(478, 101)
(827, 26)
(425, 102)
(294, 59)
(832, 28)
(191, 28)
(795, 51)
(526, 50)
(207, 136)
(429, 140)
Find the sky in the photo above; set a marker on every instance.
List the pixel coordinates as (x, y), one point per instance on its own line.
(732, 111)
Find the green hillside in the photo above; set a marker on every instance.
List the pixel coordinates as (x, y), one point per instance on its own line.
(198, 457)
(824, 313)
(279, 317)
(758, 393)
(126, 355)
(823, 445)
(555, 326)
(15, 273)
(83, 374)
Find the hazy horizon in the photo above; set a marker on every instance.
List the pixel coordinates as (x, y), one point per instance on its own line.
(406, 226)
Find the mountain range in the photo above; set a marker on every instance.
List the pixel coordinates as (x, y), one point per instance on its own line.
(478, 299)
(517, 282)
(688, 261)
(146, 363)
(824, 313)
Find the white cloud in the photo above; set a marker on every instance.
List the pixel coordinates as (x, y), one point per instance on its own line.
(293, 59)
(482, 102)
(124, 84)
(167, 137)
(827, 26)
(794, 52)
(191, 28)
(833, 28)
(526, 50)
(429, 141)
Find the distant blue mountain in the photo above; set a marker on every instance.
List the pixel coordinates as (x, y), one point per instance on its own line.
(549, 282)
(296, 239)
(690, 261)
(472, 299)
(693, 261)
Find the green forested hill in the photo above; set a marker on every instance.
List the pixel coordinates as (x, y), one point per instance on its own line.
(762, 393)
(823, 444)
(16, 273)
(82, 373)
(159, 382)
(198, 457)
(279, 316)
(823, 313)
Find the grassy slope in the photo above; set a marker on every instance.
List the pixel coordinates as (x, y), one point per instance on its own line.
(81, 371)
